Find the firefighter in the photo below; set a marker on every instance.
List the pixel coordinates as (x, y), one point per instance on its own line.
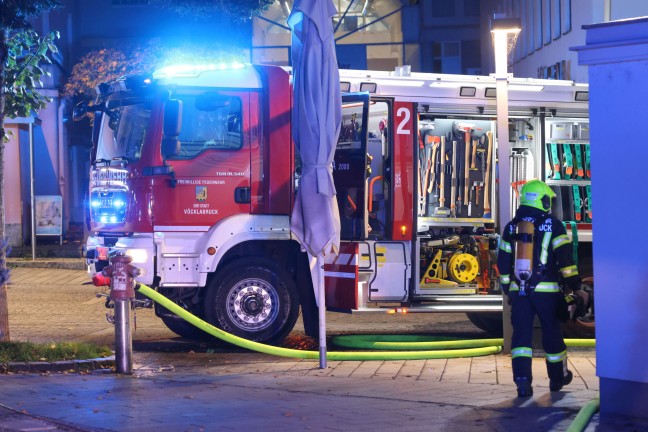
(535, 254)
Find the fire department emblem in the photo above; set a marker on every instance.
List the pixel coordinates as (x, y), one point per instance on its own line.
(201, 193)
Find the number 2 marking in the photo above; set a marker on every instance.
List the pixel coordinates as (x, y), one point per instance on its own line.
(401, 126)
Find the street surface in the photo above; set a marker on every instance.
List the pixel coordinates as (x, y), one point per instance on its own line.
(199, 386)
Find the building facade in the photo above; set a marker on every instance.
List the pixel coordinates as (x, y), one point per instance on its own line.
(443, 36)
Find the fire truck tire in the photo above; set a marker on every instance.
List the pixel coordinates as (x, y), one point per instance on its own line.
(253, 299)
(183, 328)
(179, 326)
(490, 322)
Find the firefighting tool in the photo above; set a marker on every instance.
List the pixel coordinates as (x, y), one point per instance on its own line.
(569, 161)
(555, 162)
(463, 267)
(442, 181)
(434, 168)
(588, 204)
(442, 210)
(452, 263)
(424, 172)
(489, 152)
(453, 181)
(473, 159)
(467, 172)
(434, 274)
(467, 129)
(578, 203)
(477, 185)
(580, 169)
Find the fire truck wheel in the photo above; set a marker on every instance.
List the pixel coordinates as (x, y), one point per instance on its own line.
(490, 322)
(253, 299)
(183, 328)
(176, 324)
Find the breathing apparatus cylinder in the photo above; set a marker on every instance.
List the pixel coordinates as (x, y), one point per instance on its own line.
(523, 264)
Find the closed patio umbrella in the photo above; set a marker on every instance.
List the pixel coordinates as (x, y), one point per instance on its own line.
(316, 115)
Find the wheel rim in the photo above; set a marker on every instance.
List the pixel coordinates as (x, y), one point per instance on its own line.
(252, 304)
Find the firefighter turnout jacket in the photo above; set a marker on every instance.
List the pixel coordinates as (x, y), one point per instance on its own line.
(552, 254)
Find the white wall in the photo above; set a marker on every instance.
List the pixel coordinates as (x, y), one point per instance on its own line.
(622, 9)
(584, 12)
(617, 58)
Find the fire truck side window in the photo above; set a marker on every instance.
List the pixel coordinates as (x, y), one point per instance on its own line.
(377, 182)
(210, 121)
(350, 171)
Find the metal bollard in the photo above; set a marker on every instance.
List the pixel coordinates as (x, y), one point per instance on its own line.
(122, 292)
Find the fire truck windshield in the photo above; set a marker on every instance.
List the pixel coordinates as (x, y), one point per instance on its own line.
(123, 131)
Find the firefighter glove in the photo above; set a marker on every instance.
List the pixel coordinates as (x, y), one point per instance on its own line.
(573, 283)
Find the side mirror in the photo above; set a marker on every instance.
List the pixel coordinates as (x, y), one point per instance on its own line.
(170, 147)
(172, 118)
(172, 127)
(80, 111)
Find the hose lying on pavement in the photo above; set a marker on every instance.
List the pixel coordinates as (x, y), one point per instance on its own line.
(421, 342)
(584, 416)
(470, 348)
(431, 349)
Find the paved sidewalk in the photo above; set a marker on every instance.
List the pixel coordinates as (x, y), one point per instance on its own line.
(235, 390)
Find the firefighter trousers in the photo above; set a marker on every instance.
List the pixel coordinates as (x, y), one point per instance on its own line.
(523, 311)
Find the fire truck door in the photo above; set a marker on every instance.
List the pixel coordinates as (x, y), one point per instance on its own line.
(387, 263)
(351, 167)
(212, 170)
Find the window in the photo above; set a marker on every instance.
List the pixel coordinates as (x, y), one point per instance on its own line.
(123, 130)
(447, 57)
(444, 8)
(537, 24)
(210, 121)
(566, 16)
(471, 8)
(555, 18)
(546, 21)
(529, 26)
(522, 39)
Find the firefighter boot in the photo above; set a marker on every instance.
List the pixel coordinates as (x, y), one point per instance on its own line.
(555, 385)
(524, 388)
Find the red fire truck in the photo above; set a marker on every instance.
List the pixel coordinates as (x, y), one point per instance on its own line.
(194, 174)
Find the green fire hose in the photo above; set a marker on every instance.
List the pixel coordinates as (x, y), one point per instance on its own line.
(470, 348)
(584, 416)
(428, 348)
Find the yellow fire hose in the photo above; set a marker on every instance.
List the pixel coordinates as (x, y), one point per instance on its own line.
(427, 348)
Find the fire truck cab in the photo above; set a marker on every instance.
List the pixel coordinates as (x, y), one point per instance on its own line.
(194, 173)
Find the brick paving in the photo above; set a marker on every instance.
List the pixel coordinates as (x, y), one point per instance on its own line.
(175, 387)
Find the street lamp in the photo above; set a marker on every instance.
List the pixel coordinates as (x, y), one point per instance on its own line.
(505, 32)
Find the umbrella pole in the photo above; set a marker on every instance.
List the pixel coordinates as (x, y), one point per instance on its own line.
(322, 312)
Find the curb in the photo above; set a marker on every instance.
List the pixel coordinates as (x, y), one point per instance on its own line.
(58, 366)
(70, 264)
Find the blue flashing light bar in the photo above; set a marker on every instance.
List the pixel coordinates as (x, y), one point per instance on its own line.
(192, 70)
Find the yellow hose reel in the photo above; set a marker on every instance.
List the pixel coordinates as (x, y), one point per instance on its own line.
(463, 267)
